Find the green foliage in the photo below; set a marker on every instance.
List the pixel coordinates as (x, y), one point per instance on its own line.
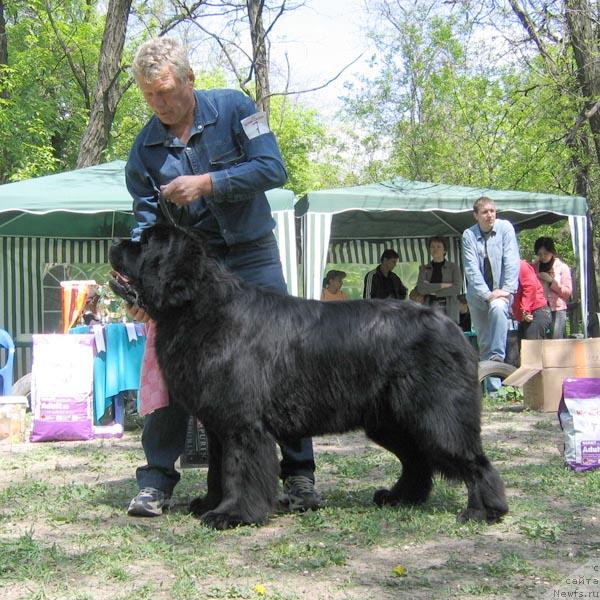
(431, 113)
(45, 112)
(46, 106)
(302, 138)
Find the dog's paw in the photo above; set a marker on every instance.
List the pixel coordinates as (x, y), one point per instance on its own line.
(202, 504)
(220, 520)
(472, 514)
(383, 497)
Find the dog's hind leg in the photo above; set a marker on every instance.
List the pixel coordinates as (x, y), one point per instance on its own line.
(415, 483)
(249, 472)
(202, 504)
(456, 452)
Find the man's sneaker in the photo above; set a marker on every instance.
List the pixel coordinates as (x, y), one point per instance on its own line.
(150, 502)
(299, 494)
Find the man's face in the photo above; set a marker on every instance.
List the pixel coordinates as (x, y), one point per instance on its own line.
(171, 100)
(390, 263)
(486, 216)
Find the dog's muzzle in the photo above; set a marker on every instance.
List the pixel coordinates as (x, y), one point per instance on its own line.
(121, 286)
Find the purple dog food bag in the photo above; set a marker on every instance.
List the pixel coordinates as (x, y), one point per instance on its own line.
(62, 387)
(579, 416)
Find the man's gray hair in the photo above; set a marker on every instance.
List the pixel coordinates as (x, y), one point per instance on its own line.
(482, 201)
(156, 54)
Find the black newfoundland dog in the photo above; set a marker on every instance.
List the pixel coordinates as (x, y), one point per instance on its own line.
(257, 367)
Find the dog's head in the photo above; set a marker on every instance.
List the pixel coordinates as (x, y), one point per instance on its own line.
(160, 272)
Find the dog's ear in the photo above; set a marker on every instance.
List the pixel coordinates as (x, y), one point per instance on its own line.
(170, 270)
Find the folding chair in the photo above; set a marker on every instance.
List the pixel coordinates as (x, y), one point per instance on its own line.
(6, 372)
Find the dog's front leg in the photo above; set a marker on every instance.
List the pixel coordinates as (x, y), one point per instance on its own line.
(214, 494)
(249, 472)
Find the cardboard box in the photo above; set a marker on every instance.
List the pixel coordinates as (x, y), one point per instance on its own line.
(12, 419)
(546, 363)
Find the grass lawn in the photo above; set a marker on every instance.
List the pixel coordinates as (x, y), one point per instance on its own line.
(64, 532)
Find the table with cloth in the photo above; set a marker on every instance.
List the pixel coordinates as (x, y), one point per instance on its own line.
(119, 349)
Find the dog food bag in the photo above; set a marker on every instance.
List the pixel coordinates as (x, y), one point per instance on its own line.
(62, 387)
(579, 416)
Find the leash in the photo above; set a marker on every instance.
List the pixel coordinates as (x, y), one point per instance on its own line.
(165, 207)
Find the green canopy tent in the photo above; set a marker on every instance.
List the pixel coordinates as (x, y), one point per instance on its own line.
(355, 224)
(70, 219)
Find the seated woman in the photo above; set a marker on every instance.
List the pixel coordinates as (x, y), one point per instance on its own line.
(555, 276)
(440, 281)
(332, 286)
(530, 307)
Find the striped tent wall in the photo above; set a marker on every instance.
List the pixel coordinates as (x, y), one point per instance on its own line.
(579, 238)
(368, 252)
(285, 232)
(316, 229)
(22, 262)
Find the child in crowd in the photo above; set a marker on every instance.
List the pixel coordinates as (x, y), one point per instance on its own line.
(332, 286)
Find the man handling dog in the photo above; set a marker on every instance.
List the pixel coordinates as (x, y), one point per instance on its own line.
(211, 156)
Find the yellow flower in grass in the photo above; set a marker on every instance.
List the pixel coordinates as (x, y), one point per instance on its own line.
(260, 589)
(400, 571)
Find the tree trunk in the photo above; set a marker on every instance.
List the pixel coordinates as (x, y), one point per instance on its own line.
(3, 51)
(584, 42)
(107, 93)
(3, 41)
(260, 60)
(581, 24)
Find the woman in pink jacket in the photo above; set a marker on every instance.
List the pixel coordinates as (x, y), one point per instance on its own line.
(555, 276)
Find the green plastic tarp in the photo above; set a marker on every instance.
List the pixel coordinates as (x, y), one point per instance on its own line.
(87, 203)
(403, 208)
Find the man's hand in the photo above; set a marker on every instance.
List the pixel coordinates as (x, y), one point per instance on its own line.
(527, 317)
(137, 313)
(185, 189)
(498, 293)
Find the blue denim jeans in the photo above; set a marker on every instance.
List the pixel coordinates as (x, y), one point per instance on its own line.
(163, 438)
(490, 322)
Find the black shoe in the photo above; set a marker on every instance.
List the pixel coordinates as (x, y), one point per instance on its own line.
(299, 494)
(150, 502)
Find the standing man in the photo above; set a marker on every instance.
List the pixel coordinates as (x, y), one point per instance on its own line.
(491, 261)
(382, 282)
(211, 156)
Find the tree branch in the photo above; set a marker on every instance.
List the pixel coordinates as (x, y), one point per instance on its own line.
(67, 54)
(529, 26)
(583, 116)
(319, 87)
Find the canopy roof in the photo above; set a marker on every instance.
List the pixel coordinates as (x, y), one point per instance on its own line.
(399, 208)
(86, 203)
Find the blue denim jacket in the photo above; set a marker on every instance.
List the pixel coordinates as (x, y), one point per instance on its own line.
(503, 252)
(241, 169)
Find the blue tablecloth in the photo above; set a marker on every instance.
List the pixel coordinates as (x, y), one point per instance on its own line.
(118, 367)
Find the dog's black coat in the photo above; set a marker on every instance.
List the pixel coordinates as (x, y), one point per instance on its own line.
(257, 367)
